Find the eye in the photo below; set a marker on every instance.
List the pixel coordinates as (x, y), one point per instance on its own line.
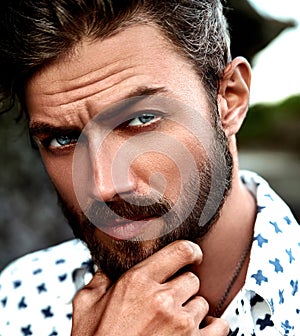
(62, 141)
(144, 119)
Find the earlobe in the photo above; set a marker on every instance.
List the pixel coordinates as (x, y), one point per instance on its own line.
(233, 95)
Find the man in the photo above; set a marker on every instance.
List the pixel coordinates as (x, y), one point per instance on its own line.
(134, 107)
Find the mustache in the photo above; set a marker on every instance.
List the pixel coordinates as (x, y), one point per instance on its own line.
(134, 208)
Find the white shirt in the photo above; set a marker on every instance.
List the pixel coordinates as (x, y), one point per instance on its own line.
(36, 290)
(269, 302)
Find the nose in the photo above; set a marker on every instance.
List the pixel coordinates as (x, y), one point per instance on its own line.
(111, 176)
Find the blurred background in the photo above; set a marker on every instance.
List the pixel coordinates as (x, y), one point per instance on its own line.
(267, 33)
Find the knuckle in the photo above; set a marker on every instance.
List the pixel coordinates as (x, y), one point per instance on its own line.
(163, 301)
(188, 322)
(185, 250)
(185, 323)
(193, 278)
(220, 326)
(223, 325)
(203, 305)
(133, 276)
(82, 297)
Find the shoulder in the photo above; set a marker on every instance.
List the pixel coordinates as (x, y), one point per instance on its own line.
(64, 256)
(39, 287)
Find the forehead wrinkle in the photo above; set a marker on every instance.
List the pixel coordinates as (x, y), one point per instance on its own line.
(81, 92)
(88, 109)
(89, 77)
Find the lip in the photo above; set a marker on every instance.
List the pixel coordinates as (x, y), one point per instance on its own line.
(125, 229)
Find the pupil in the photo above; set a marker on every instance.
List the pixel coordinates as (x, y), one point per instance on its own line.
(63, 140)
(146, 118)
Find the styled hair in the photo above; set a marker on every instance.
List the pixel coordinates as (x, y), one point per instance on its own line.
(34, 33)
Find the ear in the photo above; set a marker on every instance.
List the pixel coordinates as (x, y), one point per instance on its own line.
(233, 95)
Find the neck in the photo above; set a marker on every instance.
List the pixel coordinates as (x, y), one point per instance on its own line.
(224, 246)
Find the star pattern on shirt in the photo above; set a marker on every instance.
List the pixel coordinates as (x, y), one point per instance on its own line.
(259, 277)
(47, 312)
(275, 223)
(22, 303)
(287, 327)
(41, 288)
(276, 264)
(57, 273)
(260, 240)
(276, 227)
(37, 271)
(281, 296)
(26, 330)
(266, 322)
(290, 254)
(294, 285)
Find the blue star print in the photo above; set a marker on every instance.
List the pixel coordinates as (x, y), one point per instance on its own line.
(266, 322)
(42, 288)
(287, 327)
(277, 230)
(270, 197)
(37, 271)
(69, 316)
(26, 330)
(260, 208)
(54, 333)
(62, 277)
(276, 264)
(22, 303)
(47, 312)
(36, 293)
(260, 240)
(290, 254)
(259, 277)
(4, 301)
(272, 305)
(294, 285)
(281, 297)
(60, 261)
(17, 283)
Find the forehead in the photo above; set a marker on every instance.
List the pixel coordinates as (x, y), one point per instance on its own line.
(100, 73)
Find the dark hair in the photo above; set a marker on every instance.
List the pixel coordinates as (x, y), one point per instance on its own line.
(34, 33)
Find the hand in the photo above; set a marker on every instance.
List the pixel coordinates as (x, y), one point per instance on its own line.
(149, 299)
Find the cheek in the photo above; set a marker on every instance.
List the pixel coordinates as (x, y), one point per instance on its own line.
(59, 170)
(164, 174)
(161, 172)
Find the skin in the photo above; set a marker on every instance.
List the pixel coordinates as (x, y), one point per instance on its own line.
(73, 90)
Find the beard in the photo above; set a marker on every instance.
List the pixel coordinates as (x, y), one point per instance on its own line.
(118, 256)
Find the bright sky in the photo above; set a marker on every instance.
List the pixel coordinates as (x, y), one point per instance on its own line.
(276, 69)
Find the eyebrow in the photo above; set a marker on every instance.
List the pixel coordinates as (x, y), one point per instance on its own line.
(39, 129)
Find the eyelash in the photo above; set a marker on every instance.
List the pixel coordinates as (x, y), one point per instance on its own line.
(157, 116)
(73, 136)
(46, 143)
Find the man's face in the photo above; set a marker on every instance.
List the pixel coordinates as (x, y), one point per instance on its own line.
(126, 134)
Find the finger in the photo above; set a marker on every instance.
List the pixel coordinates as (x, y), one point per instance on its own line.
(93, 291)
(215, 326)
(184, 286)
(99, 280)
(170, 259)
(197, 307)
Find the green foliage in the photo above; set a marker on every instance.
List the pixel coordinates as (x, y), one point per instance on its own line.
(274, 126)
